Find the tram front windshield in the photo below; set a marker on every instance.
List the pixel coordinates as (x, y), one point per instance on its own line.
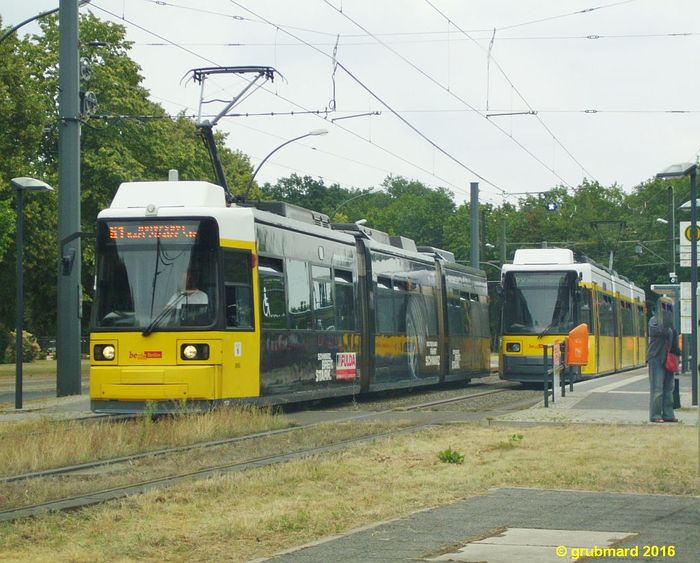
(539, 302)
(156, 274)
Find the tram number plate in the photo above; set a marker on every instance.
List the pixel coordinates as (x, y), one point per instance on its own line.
(346, 365)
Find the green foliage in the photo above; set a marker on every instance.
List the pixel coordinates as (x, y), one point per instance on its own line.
(30, 347)
(113, 151)
(450, 456)
(118, 149)
(513, 442)
(4, 341)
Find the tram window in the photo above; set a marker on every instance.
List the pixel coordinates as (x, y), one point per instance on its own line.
(627, 319)
(606, 315)
(344, 300)
(299, 294)
(270, 265)
(400, 298)
(239, 290)
(385, 316)
(426, 294)
(272, 294)
(641, 321)
(459, 315)
(584, 308)
(538, 302)
(324, 313)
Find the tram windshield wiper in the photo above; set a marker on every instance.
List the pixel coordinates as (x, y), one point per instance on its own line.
(545, 330)
(167, 309)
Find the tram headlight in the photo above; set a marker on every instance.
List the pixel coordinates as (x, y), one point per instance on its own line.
(194, 351)
(104, 352)
(513, 347)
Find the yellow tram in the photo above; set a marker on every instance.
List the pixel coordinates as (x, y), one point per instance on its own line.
(201, 302)
(549, 291)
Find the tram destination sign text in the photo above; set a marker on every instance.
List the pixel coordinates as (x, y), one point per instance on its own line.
(153, 231)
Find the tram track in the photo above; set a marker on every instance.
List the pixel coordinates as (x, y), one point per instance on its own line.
(94, 497)
(73, 468)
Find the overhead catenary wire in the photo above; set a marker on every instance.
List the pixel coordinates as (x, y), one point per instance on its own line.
(426, 32)
(568, 14)
(491, 58)
(453, 38)
(391, 153)
(451, 93)
(485, 39)
(385, 104)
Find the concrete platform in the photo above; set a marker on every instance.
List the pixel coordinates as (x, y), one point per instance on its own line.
(524, 525)
(622, 398)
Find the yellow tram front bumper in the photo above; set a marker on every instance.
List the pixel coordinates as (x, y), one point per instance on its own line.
(155, 383)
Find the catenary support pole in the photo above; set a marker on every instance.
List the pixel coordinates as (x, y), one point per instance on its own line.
(69, 288)
(474, 212)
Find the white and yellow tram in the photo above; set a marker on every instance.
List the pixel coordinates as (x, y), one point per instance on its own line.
(201, 302)
(549, 291)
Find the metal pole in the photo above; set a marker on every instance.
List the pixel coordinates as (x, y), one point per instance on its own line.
(69, 288)
(503, 241)
(545, 377)
(474, 212)
(672, 227)
(694, 284)
(19, 300)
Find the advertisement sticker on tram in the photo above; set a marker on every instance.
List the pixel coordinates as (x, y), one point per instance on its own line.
(345, 365)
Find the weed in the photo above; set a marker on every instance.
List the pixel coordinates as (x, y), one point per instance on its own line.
(450, 456)
(149, 411)
(513, 442)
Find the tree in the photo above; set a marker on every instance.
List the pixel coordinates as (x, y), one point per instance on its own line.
(21, 124)
(412, 209)
(132, 138)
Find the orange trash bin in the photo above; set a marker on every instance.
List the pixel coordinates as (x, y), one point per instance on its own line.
(577, 346)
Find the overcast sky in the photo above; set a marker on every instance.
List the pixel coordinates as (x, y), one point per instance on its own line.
(601, 89)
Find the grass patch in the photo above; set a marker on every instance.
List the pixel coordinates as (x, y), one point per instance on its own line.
(23, 493)
(247, 515)
(41, 444)
(38, 368)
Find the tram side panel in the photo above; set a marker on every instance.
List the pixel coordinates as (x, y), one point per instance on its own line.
(467, 329)
(405, 314)
(310, 342)
(607, 340)
(240, 356)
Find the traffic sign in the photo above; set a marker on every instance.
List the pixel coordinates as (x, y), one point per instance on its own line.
(684, 238)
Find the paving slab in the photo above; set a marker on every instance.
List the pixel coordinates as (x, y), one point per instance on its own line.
(626, 520)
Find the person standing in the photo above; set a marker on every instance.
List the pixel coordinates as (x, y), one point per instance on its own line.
(660, 382)
(670, 380)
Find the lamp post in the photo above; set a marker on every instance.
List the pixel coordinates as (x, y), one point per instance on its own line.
(22, 185)
(313, 133)
(675, 171)
(342, 204)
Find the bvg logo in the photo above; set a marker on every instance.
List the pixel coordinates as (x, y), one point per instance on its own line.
(147, 355)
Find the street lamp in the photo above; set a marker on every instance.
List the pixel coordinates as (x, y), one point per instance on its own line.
(313, 133)
(342, 204)
(676, 171)
(22, 185)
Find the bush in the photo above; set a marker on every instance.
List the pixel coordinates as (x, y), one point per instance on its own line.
(30, 347)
